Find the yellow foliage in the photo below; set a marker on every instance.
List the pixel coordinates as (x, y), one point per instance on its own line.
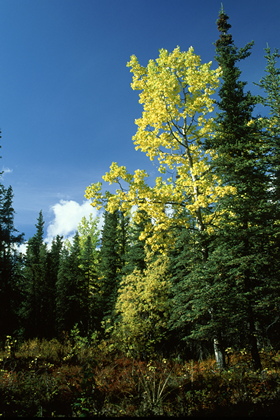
(174, 87)
(143, 305)
(176, 93)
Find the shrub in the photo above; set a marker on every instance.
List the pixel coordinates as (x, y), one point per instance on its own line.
(26, 394)
(51, 350)
(43, 380)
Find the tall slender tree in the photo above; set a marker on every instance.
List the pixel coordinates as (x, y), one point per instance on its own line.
(189, 307)
(89, 241)
(176, 93)
(112, 251)
(52, 269)
(270, 84)
(240, 163)
(72, 291)
(9, 258)
(35, 306)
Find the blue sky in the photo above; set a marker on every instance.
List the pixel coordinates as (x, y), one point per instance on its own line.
(66, 106)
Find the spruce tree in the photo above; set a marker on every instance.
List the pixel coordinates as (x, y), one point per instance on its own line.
(225, 294)
(71, 291)
(9, 260)
(89, 266)
(112, 250)
(52, 269)
(240, 163)
(185, 259)
(135, 252)
(89, 242)
(35, 304)
(270, 84)
(10, 235)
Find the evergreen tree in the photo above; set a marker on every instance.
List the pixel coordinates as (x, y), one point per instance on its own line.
(240, 163)
(270, 84)
(52, 269)
(89, 241)
(72, 291)
(35, 305)
(9, 234)
(89, 266)
(225, 295)
(135, 253)
(112, 250)
(185, 258)
(9, 259)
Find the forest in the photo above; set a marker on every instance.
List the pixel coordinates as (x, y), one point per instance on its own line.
(173, 308)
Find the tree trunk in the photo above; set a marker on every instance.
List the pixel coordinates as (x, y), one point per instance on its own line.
(253, 343)
(219, 354)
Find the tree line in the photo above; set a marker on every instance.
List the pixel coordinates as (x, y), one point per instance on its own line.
(187, 262)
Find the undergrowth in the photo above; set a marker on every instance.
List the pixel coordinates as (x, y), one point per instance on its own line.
(80, 377)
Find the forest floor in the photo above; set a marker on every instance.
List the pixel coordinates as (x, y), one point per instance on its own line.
(49, 379)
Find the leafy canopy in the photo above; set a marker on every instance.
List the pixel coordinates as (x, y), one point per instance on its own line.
(176, 93)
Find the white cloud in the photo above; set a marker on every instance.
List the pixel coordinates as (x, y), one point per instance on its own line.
(67, 216)
(22, 248)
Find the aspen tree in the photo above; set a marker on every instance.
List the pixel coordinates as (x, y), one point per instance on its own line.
(176, 92)
(143, 307)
